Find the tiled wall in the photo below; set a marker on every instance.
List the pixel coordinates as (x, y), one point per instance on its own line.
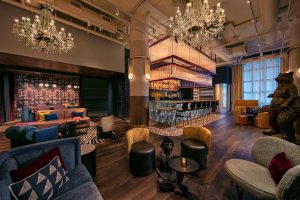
(34, 89)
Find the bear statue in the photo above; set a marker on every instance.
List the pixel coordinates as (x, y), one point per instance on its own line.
(284, 107)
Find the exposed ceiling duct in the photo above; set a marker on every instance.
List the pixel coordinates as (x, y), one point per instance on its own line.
(268, 11)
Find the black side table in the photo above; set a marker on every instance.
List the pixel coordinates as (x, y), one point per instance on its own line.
(88, 158)
(191, 167)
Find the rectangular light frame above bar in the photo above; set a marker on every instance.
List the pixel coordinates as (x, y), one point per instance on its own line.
(167, 48)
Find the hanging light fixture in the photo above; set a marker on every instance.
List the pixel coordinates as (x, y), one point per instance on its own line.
(41, 34)
(198, 25)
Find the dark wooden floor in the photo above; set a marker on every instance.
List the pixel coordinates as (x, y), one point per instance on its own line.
(228, 141)
(116, 183)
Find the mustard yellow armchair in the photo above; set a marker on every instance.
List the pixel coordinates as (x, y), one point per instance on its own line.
(262, 120)
(196, 144)
(140, 152)
(136, 135)
(240, 106)
(200, 133)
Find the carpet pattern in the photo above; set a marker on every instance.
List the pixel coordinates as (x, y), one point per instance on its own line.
(165, 130)
(89, 135)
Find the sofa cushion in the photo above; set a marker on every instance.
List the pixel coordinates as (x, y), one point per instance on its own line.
(251, 177)
(41, 114)
(20, 132)
(78, 176)
(43, 184)
(77, 114)
(86, 191)
(68, 112)
(279, 165)
(46, 134)
(60, 113)
(51, 116)
(25, 171)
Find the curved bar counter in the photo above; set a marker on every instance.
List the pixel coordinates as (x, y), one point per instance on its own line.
(173, 112)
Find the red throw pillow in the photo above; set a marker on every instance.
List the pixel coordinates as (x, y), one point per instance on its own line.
(279, 165)
(23, 172)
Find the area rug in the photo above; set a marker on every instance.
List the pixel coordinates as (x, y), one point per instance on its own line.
(89, 135)
(165, 130)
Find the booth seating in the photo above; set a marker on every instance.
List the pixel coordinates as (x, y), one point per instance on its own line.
(262, 120)
(64, 116)
(140, 152)
(241, 106)
(196, 144)
(80, 185)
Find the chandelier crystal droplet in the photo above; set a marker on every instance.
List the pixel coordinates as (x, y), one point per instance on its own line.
(199, 24)
(41, 34)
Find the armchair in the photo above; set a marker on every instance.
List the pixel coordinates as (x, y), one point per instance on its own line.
(140, 152)
(196, 144)
(262, 120)
(255, 178)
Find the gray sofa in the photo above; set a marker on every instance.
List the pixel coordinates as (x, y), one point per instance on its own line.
(80, 184)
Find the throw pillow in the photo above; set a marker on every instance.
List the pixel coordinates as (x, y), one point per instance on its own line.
(78, 114)
(46, 134)
(52, 116)
(41, 115)
(279, 165)
(28, 170)
(43, 184)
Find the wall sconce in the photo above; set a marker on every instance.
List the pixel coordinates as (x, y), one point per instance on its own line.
(147, 69)
(54, 85)
(46, 85)
(130, 76)
(69, 86)
(130, 69)
(299, 70)
(147, 76)
(41, 84)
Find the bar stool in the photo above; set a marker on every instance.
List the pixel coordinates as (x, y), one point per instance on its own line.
(182, 114)
(193, 111)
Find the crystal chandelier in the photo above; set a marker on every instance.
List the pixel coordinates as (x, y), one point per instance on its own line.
(41, 34)
(199, 24)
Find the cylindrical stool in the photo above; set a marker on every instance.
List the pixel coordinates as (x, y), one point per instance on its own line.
(196, 150)
(88, 158)
(142, 158)
(243, 119)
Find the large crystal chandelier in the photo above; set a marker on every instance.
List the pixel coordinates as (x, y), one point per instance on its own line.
(199, 24)
(41, 34)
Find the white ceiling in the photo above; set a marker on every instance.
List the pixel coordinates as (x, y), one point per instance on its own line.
(268, 32)
(239, 26)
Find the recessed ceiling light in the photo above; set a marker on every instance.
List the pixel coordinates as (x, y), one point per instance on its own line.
(253, 20)
(248, 1)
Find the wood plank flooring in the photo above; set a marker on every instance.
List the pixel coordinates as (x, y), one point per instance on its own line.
(229, 141)
(116, 183)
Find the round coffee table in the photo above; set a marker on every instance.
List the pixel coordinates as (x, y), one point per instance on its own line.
(191, 167)
(88, 158)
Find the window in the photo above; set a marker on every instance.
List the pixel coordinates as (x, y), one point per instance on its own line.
(259, 79)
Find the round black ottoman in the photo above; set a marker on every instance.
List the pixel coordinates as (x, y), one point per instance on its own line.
(142, 158)
(196, 150)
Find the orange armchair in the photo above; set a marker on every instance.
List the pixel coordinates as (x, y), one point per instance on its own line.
(262, 120)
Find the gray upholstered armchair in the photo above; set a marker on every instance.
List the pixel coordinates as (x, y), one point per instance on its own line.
(255, 178)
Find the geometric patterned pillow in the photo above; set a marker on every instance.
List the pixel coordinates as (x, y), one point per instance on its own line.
(43, 184)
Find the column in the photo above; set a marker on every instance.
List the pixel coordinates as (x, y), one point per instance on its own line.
(139, 86)
(294, 50)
